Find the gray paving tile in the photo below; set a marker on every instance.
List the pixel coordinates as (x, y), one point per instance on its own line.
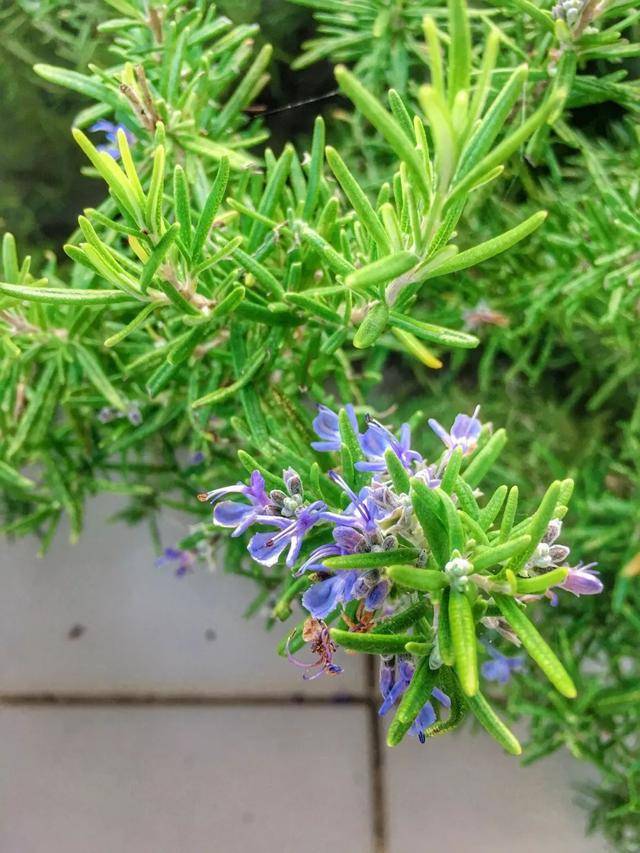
(462, 793)
(99, 616)
(233, 780)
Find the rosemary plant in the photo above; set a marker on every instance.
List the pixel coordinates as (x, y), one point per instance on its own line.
(415, 566)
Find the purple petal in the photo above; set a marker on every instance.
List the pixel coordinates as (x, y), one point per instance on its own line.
(325, 446)
(231, 513)
(582, 581)
(349, 581)
(376, 597)
(496, 670)
(439, 430)
(385, 682)
(441, 696)
(313, 563)
(347, 538)
(370, 466)
(375, 440)
(394, 694)
(256, 489)
(265, 548)
(104, 126)
(425, 718)
(323, 597)
(326, 423)
(294, 548)
(405, 670)
(465, 427)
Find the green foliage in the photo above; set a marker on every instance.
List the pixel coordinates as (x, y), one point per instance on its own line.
(382, 41)
(205, 265)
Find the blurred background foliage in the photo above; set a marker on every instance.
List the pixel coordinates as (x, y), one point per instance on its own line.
(42, 187)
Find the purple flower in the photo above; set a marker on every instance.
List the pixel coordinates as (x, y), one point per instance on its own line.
(184, 559)
(500, 667)
(387, 674)
(582, 580)
(323, 597)
(402, 678)
(327, 426)
(110, 131)
(464, 433)
(238, 515)
(394, 682)
(266, 548)
(362, 514)
(354, 529)
(275, 509)
(378, 439)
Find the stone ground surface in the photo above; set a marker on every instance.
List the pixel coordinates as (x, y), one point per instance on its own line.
(139, 714)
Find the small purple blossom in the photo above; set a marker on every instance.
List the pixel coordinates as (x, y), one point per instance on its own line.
(184, 560)
(500, 667)
(464, 433)
(238, 515)
(378, 439)
(582, 580)
(387, 674)
(110, 130)
(327, 427)
(266, 548)
(394, 680)
(323, 597)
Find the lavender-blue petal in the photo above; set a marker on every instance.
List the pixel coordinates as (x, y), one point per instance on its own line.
(496, 670)
(323, 597)
(266, 549)
(376, 597)
(442, 697)
(231, 513)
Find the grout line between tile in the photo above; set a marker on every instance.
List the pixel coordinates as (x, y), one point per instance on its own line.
(376, 762)
(130, 699)
(126, 698)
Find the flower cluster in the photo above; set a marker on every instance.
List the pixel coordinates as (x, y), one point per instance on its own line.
(394, 543)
